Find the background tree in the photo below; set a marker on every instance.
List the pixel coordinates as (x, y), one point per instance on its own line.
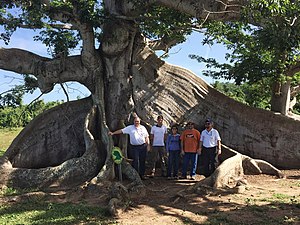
(255, 95)
(69, 144)
(267, 50)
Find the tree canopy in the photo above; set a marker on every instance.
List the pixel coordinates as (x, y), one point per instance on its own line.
(267, 49)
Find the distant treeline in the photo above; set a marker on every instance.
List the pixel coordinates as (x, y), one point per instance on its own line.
(20, 116)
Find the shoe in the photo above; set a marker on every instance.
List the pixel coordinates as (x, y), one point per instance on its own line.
(176, 178)
(193, 178)
(144, 178)
(163, 175)
(169, 178)
(183, 177)
(151, 175)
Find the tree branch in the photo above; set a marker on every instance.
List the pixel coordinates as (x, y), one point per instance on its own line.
(295, 90)
(294, 69)
(230, 9)
(27, 26)
(86, 31)
(162, 44)
(48, 71)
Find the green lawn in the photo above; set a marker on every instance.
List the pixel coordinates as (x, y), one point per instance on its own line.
(41, 211)
(45, 213)
(7, 135)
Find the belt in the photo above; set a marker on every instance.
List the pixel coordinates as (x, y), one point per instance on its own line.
(139, 145)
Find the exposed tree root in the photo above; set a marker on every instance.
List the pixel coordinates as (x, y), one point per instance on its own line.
(229, 175)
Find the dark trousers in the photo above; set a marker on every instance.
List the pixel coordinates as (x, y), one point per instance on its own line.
(173, 163)
(189, 156)
(139, 153)
(209, 160)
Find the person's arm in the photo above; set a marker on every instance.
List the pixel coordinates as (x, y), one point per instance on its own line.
(147, 141)
(182, 149)
(200, 147)
(166, 134)
(115, 132)
(219, 147)
(167, 143)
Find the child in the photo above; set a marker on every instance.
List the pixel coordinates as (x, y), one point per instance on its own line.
(173, 150)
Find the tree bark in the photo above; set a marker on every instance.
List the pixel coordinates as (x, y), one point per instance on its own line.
(70, 144)
(280, 99)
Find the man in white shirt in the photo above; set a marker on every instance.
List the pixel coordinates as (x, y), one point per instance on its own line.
(158, 136)
(210, 147)
(139, 140)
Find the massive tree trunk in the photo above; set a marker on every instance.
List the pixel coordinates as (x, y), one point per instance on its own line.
(70, 144)
(280, 99)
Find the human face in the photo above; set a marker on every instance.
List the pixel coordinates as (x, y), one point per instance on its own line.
(208, 125)
(160, 121)
(174, 130)
(190, 126)
(137, 122)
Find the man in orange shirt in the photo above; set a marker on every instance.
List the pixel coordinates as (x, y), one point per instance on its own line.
(190, 139)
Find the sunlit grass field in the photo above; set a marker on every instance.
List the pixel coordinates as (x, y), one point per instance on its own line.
(40, 211)
(7, 135)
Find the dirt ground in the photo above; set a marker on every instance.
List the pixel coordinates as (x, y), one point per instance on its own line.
(265, 200)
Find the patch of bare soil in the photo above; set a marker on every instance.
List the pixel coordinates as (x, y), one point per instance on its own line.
(264, 200)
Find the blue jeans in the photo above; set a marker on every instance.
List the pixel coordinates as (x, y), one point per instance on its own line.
(139, 158)
(189, 156)
(173, 162)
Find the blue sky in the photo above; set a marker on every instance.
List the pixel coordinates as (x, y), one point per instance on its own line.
(178, 56)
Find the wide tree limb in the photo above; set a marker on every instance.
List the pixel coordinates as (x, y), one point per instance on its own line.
(48, 71)
(180, 96)
(294, 69)
(216, 9)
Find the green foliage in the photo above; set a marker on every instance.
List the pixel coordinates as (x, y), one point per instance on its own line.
(22, 115)
(260, 53)
(161, 22)
(265, 50)
(59, 41)
(13, 97)
(255, 95)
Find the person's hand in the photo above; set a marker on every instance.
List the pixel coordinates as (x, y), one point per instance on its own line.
(182, 153)
(219, 152)
(110, 133)
(148, 148)
(199, 151)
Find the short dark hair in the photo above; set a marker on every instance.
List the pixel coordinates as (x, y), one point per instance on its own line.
(174, 126)
(160, 117)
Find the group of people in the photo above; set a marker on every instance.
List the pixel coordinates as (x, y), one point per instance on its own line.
(189, 144)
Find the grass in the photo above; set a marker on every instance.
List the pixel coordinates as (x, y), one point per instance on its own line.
(42, 212)
(7, 135)
(39, 211)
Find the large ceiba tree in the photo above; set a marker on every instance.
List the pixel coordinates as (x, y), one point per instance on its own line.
(69, 144)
